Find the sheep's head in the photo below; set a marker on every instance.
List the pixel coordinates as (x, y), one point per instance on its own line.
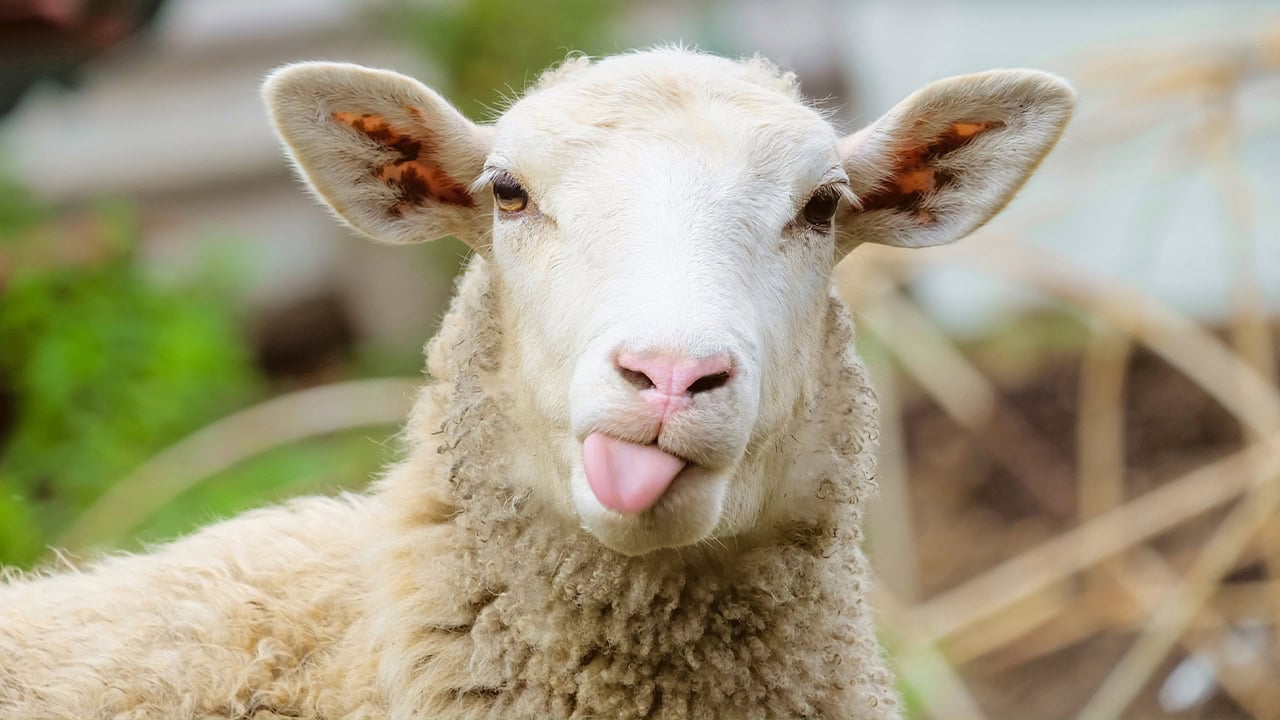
(662, 227)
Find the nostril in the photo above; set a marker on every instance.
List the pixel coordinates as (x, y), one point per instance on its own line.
(636, 378)
(673, 374)
(708, 382)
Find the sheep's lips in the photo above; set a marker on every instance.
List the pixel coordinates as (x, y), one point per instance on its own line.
(626, 477)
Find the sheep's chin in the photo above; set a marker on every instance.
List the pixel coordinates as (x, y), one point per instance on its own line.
(688, 513)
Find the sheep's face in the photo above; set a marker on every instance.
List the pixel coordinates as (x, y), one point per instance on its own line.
(667, 239)
(663, 227)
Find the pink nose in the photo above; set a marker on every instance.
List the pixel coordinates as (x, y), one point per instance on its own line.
(671, 380)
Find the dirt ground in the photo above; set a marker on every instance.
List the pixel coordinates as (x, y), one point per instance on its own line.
(971, 513)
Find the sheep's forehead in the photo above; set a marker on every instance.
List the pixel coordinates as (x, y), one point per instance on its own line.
(739, 114)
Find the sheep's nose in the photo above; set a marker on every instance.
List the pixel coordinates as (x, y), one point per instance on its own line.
(674, 376)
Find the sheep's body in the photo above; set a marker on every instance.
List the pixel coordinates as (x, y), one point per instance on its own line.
(446, 593)
(245, 615)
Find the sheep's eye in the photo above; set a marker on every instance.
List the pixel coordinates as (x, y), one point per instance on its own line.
(821, 208)
(508, 194)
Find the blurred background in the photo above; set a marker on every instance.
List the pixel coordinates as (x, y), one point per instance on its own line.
(1080, 468)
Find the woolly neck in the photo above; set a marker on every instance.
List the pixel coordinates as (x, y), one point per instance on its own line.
(548, 622)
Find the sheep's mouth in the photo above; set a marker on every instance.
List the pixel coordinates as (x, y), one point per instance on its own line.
(636, 498)
(630, 478)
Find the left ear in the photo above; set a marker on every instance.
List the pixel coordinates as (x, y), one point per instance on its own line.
(948, 158)
(390, 156)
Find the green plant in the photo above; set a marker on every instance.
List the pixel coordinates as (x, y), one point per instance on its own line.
(100, 366)
(344, 461)
(483, 46)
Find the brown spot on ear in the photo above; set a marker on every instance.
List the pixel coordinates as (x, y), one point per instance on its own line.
(966, 129)
(915, 176)
(415, 175)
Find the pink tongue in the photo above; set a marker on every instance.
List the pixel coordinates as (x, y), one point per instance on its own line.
(626, 477)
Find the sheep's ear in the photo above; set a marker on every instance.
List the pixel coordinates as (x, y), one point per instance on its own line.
(389, 155)
(951, 156)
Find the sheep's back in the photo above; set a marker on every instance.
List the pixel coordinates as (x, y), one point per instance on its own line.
(246, 618)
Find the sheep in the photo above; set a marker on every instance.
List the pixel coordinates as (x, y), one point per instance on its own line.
(633, 486)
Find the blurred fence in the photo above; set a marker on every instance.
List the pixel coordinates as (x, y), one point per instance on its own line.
(1137, 599)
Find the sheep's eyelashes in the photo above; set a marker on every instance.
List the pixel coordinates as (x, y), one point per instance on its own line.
(508, 194)
(821, 208)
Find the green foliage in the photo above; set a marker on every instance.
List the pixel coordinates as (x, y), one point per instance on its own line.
(100, 367)
(484, 46)
(18, 212)
(342, 462)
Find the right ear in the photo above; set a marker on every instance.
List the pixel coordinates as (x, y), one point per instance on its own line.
(390, 156)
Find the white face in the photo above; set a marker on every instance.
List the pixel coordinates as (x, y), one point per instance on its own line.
(669, 271)
(663, 240)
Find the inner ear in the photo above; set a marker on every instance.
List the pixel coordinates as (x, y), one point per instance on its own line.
(949, 157)
(409, 165)
(922, 168)
(390, 156)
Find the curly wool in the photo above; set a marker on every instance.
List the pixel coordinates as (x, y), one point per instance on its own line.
(450, 591)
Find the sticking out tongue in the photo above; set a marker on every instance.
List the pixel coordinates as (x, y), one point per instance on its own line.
(626, 477)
